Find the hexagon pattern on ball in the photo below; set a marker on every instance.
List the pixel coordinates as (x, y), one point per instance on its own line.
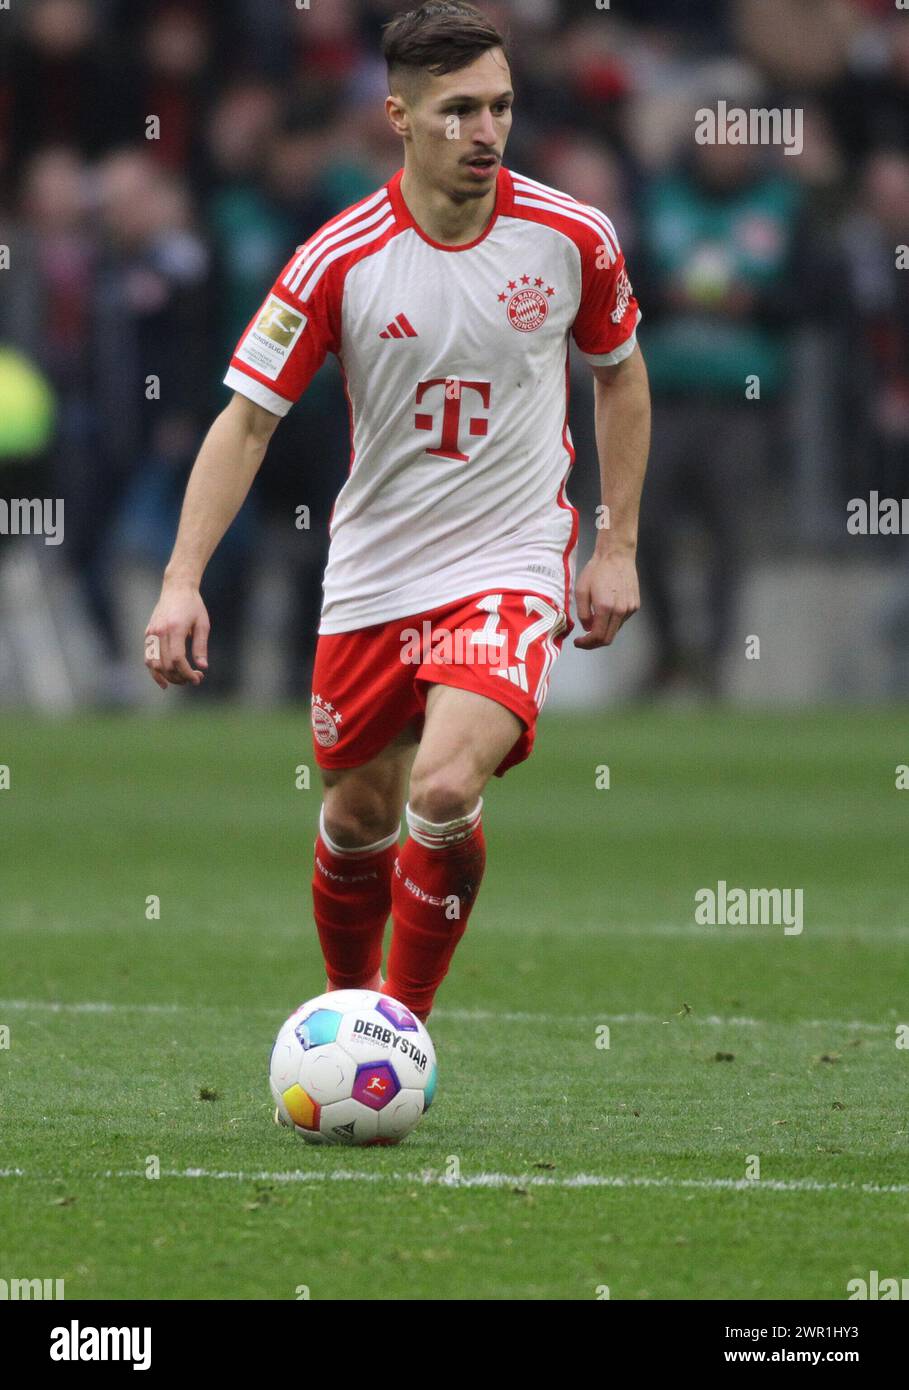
(352, 1067)
(327, 1073)
(321, 1026)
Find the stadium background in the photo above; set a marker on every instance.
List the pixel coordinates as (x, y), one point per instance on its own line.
(134, 258)
(155, 921)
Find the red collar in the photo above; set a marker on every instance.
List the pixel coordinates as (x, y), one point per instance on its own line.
(405, 218)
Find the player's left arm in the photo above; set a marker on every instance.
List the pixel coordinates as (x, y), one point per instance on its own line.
(605, 331)
(607, 591)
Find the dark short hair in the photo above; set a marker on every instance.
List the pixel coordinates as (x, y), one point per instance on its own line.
(441, 36)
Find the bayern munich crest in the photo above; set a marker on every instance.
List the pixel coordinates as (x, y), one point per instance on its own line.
(527, 303)
(325, 721)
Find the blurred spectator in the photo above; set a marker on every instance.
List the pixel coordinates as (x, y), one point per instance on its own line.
(60, 249)
(175, 84)
(800, 45)
(327, 40)
(51, 316)
(703, 20)
(714, 260)
(249, 232)
(876, 387)
(869, 106)
(581, 79)
(148, 353)
(67, 86)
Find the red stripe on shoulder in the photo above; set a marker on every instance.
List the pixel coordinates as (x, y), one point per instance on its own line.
(587, 226)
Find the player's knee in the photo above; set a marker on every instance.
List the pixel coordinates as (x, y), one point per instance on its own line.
(444, 793)
(354, 818)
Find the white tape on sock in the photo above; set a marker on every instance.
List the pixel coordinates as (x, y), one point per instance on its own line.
(439, 836)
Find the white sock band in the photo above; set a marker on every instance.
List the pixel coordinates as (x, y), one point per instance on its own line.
(362, 850)
(451, 832)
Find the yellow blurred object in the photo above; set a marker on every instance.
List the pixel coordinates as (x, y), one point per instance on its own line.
(27, 407)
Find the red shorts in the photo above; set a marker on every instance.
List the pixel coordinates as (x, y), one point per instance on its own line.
(368, 685)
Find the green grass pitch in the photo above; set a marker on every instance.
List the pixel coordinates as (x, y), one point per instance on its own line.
(581, 1166)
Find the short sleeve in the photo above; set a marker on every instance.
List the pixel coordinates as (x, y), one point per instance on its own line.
(285, 343)
(605, 328)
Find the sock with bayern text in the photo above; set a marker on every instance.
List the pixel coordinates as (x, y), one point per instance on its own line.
(351, 891)
(436, 879)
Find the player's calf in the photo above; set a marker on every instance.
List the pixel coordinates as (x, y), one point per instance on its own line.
(436, 879)
(351, 892)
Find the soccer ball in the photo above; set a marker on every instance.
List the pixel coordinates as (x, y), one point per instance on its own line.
(352, 1067)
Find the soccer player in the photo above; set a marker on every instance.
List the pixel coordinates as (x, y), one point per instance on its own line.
(449, 296)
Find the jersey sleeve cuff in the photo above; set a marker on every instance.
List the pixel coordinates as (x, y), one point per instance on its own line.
(612, 359)
(256, 391)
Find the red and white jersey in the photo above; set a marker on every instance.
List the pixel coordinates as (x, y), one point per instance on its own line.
(456, 367)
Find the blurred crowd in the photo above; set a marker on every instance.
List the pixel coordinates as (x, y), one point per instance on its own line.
(159, 160)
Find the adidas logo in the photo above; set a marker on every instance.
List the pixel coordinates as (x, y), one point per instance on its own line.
(401, 327)
(516, 674)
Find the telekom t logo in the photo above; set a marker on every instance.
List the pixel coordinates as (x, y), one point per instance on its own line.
(448, 447)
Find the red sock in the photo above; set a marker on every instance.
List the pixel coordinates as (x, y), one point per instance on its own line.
(351, 892)
(435, 877)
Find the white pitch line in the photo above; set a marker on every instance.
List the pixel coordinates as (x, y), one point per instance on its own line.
(506, 1180)
(91, 1007)
(710, 1020)
(702, 931)
(462, 1015)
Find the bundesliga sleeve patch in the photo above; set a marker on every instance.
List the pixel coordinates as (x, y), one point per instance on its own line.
(270, 341)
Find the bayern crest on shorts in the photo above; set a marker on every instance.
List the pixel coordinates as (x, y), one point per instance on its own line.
(325, 721)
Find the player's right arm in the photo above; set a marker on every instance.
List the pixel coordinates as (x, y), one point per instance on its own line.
(282, 348)
(222, 475)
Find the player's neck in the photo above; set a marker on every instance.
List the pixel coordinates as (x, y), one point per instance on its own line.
(441, 217)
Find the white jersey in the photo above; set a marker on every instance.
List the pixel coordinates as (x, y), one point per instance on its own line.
(455, 360)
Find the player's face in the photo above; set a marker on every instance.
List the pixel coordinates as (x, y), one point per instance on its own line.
(459, 126)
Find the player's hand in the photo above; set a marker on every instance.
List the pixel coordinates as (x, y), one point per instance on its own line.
(179, 614)
(606, 596)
